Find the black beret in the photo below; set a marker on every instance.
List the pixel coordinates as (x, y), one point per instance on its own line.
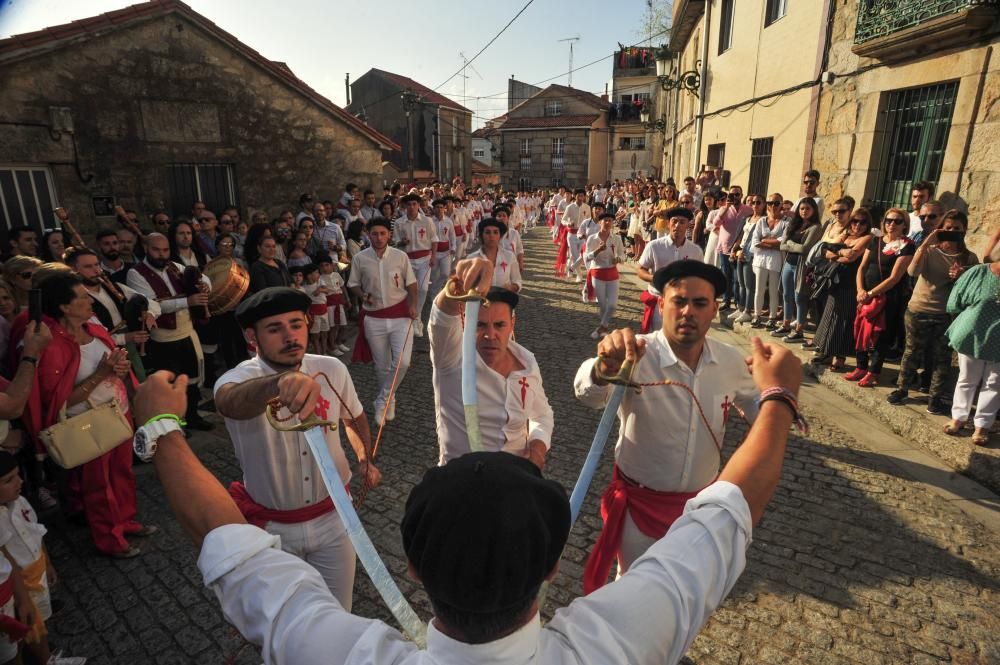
(322, 257)
(483, 531)
(440, 202)
(490, 221)
(606, 215)
(500, 294)
(680, 211)
(378, 221)
(410, 197)
(271, 301)
(689, 268)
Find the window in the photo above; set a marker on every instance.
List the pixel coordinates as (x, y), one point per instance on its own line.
(525, 147)
(524, 184)
(760, 165)
(557, 182)
(211, 183)
(27, 197)
(447, 164)
(632, 143)
(726, 26)
(913, 140)
(775, 10)
(558, 162)
(558, 146)
(461, 165)
(479, 152)
(553, 108)
(525, 163)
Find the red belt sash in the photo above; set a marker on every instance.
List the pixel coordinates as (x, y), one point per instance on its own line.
(459, 231)
(362, 352)
(7, 590)
(419, 254)
(259, 515)
(603, 274)
(335, 299)
(443, 246)
(317, 309)
(652, 511)
(9, 625)
(650, 302)
(563, 251)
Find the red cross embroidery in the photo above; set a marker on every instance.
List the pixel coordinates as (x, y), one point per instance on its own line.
(26, 514)
(503, 267)
(421, 233)
(524, 390)
(395, 279)
(322, 407)
(726, 405)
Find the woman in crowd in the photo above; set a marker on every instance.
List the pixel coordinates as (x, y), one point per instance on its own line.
(53, 245)
(296, 250)
(834, 338)
(937, 263)
(18, 272)
(8, 310)
(387, 209)
(355, 238)
(715, 199)
(313, 244)
(82, 368)
(742, 256)
(226, 244)
(767, 262)
(975, 335)
(267, 270)
(881, 296)
(700, 232)
(802, 233)
(250, 246)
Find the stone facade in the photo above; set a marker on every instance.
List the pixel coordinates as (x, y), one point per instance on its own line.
(150, 94)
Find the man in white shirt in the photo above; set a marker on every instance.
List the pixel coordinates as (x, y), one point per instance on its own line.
(327, 231)
(416, 235)
(666, 451)
(603, 253)
(485, 609)
(514, 413)
(369, 209)
(511, 241)
(444, 247)
(506, 272)
(457, 211)
(591, 225)
(574, 215)
(382, 280)
(173, 343)
(660, 253)
(282, 489)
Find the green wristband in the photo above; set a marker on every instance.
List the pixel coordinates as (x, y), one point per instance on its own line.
(167, 416)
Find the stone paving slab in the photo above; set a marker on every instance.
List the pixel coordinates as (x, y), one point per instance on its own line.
(854, 562)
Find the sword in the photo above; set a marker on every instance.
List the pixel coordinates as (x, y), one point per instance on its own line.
(312, 427)
(470, 397)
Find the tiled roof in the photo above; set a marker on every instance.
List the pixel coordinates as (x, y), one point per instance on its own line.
(480, 167)
(553, 121)
(484, 132)
(425, 92)
(30, 43)
(582, 95)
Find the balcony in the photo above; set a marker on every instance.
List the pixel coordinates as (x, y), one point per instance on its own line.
(898, 29)
(634, 62)
(625, 112)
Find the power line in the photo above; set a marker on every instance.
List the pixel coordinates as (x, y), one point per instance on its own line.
(497, 36)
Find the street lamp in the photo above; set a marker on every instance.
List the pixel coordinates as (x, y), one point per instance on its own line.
(690, 80)
(659, 125)
(410, 100)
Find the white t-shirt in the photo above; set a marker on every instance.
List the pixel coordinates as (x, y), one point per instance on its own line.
(279, 470)
(111, 387)
(384, 279)
(506, 272)
(415, 235)
(20, 531)
(662, 252)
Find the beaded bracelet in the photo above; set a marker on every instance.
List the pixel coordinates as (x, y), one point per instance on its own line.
(787, 397)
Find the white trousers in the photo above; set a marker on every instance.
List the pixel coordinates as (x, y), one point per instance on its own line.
(976, 374)
(574, 245)
(323, 544)
(422, 271)
(634, 544)
(461, 242)
(440, 273)
(390, 345)
(770, 281)
(607, 300)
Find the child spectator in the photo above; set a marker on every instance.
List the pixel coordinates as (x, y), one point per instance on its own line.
(318, 310)
(336, 301)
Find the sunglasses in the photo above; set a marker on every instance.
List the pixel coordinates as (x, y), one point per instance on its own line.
(839, 211)
(756, 203)
(27, 274)
(896, 220)
(774, 203)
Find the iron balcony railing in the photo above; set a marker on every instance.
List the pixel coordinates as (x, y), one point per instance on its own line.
(878, 18)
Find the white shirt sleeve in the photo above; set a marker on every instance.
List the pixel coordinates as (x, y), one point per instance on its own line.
(515, 274)
(445, 334)
(588, 392)
(541, 420)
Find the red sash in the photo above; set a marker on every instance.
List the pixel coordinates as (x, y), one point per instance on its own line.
(653, 512)
(362, 352)
(165, 321)
(333, 299)
(6, 590)
(603, 274)
(443, 246)
(563, 251)
(258, 515)
(459, 231)
(317, 309)
(10, 626)
(419, 254)
(650, 302)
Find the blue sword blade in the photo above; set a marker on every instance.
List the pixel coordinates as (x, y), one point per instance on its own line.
(470, 398)
(596, 450)
(379, 574)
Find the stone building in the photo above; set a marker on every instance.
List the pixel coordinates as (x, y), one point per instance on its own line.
(634, 150)
(874, 95)
(441, 129)
(557, 137)
(154, 106)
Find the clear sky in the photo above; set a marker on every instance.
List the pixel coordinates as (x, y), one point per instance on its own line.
(324, 40)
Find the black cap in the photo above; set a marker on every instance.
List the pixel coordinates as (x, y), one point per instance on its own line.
(689, 268)
(501, 208)
(483, 531)
(271, 301)
(322, 257)
(490, 221)
(440, 202)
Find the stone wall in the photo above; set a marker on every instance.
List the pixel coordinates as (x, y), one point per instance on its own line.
(166, 92)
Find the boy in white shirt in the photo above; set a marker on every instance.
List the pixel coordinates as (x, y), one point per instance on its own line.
(336, 302)
(320, 326)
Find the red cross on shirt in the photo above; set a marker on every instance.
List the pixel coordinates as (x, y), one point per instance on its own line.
(503, 266)
(726, 404)
(395, 279)
(421, 233)
(322, 407)
(524, 390)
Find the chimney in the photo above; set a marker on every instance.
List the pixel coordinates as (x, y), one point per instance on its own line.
(347, 86)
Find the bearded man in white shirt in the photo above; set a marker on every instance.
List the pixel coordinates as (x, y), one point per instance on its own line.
(665, 452)
(464, 525)
(282, 489)
(514, 413)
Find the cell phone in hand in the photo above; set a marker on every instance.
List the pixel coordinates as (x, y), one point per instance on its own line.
(35, 305)
(951, 236)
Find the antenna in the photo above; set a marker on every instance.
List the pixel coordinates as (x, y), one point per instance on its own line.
(569, 80)
(465, 63)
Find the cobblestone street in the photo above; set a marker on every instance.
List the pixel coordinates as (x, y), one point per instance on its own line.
(854, 562)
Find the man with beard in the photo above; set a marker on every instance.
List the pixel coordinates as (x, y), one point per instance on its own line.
(282, 489)
(108, 298)
(109, 249)
(514, 413)
(174, 345)
(666, 452)
(382, 280)
(415, 234)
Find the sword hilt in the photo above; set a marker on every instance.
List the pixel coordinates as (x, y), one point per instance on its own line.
(468, 296)
(310, 421)
(623, 377)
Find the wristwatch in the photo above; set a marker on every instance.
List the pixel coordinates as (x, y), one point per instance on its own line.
(144, 441)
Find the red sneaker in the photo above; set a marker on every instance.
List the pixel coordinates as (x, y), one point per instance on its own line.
(854, 375)
(869, 381)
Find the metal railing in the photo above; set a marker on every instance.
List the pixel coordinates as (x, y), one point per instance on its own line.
(878, 18)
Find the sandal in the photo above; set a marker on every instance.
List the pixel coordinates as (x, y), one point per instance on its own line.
(980, 438)
(868, 381)
(951, 429)
(838, 365)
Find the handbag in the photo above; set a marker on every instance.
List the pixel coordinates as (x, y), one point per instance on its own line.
(72, 442)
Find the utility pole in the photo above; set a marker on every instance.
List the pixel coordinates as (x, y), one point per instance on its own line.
(347, 86)
(569, 80)
(410, 100)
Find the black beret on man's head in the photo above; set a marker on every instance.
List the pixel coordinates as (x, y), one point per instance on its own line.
(689, 268)
(271, 301)
(484, 530)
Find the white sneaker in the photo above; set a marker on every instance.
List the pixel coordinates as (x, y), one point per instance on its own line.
(379, 414)
(418, 329)
(59, 659)
(390, 412)
(344, 348)
(744, 317)
(337, 351)
(45, 499)
(733, 315)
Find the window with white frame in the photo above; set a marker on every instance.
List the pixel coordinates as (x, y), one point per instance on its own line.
(27, 197)
(559, 146)
(553, 107)
(525, 147)
(632, 143)
(478, 152)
